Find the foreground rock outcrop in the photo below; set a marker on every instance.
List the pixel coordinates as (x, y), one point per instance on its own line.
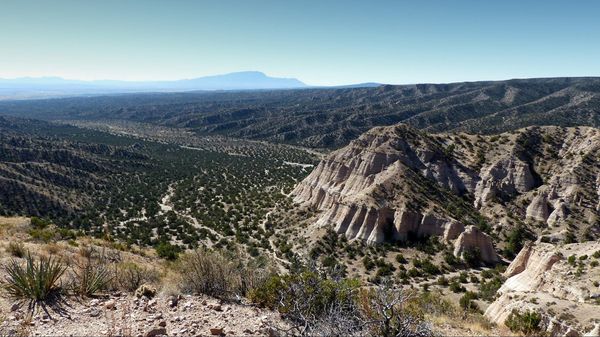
(396, 182)
(561, 283)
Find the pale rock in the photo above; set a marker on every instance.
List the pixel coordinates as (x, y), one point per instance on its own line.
(505, 177)
(110, 304)
(558, 214)
(452, 230)
(595, 332)
(541, 271)
(473, 238)
(538, 209)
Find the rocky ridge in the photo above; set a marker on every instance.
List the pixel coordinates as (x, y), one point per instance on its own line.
(394, 182)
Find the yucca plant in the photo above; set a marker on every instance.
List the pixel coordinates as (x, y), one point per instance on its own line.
(36, 281)
(91, 278)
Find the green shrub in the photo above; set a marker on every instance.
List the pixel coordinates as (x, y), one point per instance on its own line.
(527, 322)
(368, 263)
(466, 301)
(281, 292)
(450, 259)
(167, 251)
(515, 240)
(209, 273)
(400, 258)
(216, 274)
(488, 289)
(39, 223)
(570, 238)
(43, 234)
(38, 281)
(456, 287)
(385, 270)
(472, 257)
(442, 281)
(430, 268)
(66, 234)
(488, 273)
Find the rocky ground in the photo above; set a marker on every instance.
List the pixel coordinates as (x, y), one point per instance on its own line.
(127, 315)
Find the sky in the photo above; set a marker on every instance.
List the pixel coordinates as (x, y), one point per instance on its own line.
(324, 42)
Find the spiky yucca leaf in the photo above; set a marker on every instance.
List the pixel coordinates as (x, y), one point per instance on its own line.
(36, 281)
(91, 278)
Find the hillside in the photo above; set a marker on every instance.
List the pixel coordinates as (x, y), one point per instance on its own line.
(394, 182)
(330, 118)
(149, 188)
(448, 211)
(106, 288)
(44, 173)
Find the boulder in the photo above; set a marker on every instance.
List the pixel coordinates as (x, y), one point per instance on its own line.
(216, 331)
(452, 230)
(538, 209)
(558, 215)
(474, 239)
(110, 304)
(145, 290)
(160, 331)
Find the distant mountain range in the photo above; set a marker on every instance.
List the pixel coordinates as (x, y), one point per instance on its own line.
(29, 87)
(332, 117)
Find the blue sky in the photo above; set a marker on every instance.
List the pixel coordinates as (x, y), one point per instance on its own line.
(321, 42)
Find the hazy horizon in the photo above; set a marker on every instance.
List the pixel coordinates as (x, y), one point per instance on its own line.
(318, 43)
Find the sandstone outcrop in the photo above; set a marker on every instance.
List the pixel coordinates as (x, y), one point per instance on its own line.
(396, 182)
(503, 179)
(541, 278)
(473, 239)
(538, 209)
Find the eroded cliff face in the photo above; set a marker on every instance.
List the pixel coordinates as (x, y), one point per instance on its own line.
(553, 281)
(394, 182)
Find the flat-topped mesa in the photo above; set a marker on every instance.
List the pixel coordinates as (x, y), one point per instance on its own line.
(395, 182)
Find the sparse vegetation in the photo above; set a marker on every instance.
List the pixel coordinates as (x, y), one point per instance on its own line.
(528, 322)
(129, 276)
(467, 301)
(91, 276)
(38, 281)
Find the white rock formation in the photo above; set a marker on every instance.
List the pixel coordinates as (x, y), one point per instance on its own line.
(538, 210)
(395, 181)
(541, 279)
(474, 239)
